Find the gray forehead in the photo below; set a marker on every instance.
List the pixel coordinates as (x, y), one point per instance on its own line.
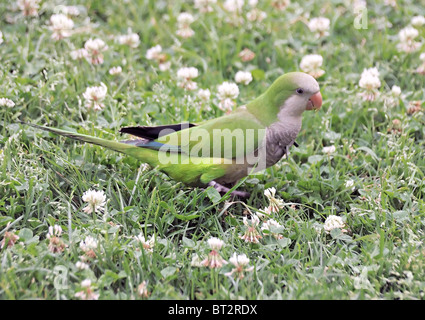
(307, 82)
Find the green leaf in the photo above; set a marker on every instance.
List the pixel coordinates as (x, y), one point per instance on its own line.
(186, 218)
(189, 243)
(315, 158)
(369, 151)
(25, 234)
(258, 74)
(168, 271)
(110, 277)
(284, 242)
(213, 195)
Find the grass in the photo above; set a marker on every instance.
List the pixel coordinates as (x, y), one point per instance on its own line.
(43, 177)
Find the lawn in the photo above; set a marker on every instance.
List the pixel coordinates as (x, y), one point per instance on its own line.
(342, 218)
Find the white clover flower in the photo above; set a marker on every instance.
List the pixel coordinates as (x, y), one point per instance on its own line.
(204, 5)
(185, 32)
(183, 22)
(215, 243)
(80, 265)
(350, 184)
(71, 10)
(87, 293)
(9, 238)
(320, 26)
(96, 200)
(233, 6)
(154, 52)
(187, 73)
(61, 26)
(226, 105)
(274, 204)
(164, 66)
(148, 245)
(54, 231)
(418, 21)
(271, 224)
(246, 55)
(244, 77)
(333, 222)
(185, 76)
(372, 71)
(56, 245)
(1, 37)
(270, 192)
(408, 34)
(311, 64)
(94, 48)
(79, 54)
(185, 19)
(115, 70)
(253, 222)
(407, 42)
(29, 7)
(256, 15)
(131, 39)
(227, 90)
(329, 150)
(94, 97)
(5, 102)
(239, 260)
(369, 81)
(214, 260)
(280, 4)
(241, 265)
(86, 283)
(142, 289)
(196, 261)
(204, 94)
(89, 243)
(251, 234)
(395, 91)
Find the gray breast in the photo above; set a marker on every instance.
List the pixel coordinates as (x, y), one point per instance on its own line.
(279, 137)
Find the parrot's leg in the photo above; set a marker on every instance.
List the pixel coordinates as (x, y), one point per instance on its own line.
(222, 189)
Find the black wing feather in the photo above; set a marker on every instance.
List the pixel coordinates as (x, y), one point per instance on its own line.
(152, 133)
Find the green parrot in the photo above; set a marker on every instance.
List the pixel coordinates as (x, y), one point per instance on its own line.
(219, 152)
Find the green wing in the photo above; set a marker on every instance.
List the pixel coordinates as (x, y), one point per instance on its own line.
(230, 136)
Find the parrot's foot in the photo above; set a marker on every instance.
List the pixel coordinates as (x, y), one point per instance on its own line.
(222, 189)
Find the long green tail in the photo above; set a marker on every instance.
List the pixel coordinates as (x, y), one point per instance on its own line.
(180, 167)
(145, 155)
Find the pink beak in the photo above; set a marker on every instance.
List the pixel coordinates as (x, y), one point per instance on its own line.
(315, 102)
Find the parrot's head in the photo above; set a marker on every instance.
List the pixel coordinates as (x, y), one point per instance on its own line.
(295, 92)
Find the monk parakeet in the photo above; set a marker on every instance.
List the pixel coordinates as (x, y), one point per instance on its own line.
(219, 152)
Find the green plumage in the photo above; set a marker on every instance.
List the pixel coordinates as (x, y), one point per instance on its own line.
(180, 167)
(221, 149)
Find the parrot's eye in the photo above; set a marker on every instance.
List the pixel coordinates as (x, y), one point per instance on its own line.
(300, 91)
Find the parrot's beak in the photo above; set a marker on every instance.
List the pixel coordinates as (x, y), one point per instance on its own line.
(315, 102)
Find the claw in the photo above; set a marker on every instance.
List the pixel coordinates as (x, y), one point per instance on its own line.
(222, 189)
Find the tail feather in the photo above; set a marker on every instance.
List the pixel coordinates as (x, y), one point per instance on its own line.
(146, 155)
(113, 145)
